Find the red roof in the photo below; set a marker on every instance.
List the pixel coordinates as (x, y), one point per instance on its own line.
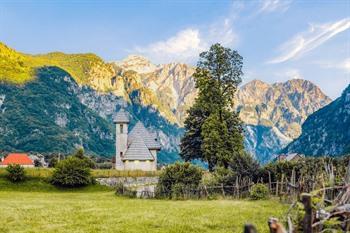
(17, 158)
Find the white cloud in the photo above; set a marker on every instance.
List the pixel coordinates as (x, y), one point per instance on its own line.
(186, 45)
(304, 42)
(268, 6)
(182, 47)
(345, 65)
(341, 65)
(293, 74)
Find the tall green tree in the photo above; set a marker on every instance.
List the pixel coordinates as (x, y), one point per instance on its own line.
(213, 129)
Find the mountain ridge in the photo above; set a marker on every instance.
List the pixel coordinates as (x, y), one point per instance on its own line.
(272, 113)
(326, 131)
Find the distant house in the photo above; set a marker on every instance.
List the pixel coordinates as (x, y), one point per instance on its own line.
(289, 157)
(136, 150)
(17, 158)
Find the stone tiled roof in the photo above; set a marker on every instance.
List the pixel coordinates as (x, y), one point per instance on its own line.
(121, 117)
(291, 156)
(139, 131)
(138, 151)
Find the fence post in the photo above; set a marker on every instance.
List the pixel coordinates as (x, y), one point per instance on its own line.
(308, 218)
(282, 182)
(223, 191)
(206, 191)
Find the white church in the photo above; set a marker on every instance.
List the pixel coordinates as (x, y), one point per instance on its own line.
(136, 150)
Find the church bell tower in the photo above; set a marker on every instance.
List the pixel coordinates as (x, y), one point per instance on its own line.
(121, 121)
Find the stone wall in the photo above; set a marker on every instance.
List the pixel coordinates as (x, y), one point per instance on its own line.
(128, 181)
(141, 185)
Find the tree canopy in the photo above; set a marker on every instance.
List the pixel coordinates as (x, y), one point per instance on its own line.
(213, 129)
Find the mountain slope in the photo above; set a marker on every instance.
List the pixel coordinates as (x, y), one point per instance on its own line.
(53, 114)
(327, 131)
(171, 86)
(284, 105)
(19, 68)
(46, 116)
(273, 114)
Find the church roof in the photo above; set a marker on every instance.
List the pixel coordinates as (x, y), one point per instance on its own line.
(139, 131)
(138, 151)
(121, 117)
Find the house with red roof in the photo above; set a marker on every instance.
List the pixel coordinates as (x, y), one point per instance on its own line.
(17, 158)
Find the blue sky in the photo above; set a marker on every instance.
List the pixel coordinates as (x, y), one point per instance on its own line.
(278, 39)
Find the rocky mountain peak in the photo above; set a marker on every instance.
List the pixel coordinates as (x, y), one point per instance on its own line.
(256, 89)
(137, 63)
(274, 113)
(300, 85)
(326, 131)
(256, 83)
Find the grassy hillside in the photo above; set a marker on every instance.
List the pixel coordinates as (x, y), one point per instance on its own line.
(14, 67)
(96, 209)
(19, 68)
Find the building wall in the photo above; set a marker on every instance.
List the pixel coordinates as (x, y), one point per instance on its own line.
(140, 165)
(154, 153)
(121, 144)
(29, 166)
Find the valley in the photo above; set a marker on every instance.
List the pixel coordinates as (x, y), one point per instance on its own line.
(158, 95)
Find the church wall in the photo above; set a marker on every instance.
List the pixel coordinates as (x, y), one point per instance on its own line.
(154, 153)
(121, 144)
(140, 165)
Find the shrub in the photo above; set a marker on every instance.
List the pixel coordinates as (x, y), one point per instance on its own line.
(71, 172)
(259, 192)
(15, 173)
(184, 175)
(178, 191)
(80, 155)
(53, 162)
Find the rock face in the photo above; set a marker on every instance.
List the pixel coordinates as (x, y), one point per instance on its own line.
(274, 113)
(327, 131)
(170, 86)
(136, 63)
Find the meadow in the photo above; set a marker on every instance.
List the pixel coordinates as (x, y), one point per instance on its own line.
(97, 173)
(36, 206)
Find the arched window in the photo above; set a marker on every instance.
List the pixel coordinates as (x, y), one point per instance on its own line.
(121, 154)
(121, 128)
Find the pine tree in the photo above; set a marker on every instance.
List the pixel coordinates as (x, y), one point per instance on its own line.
(213, 129)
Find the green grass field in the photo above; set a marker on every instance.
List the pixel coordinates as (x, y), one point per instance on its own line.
(35, 206)
(47, 172)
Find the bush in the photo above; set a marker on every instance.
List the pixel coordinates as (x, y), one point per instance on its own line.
(259, 192)
(71, 172)
(80, 155)
(178, 191)
(53, 162)
(178, 177)
(15, 173)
